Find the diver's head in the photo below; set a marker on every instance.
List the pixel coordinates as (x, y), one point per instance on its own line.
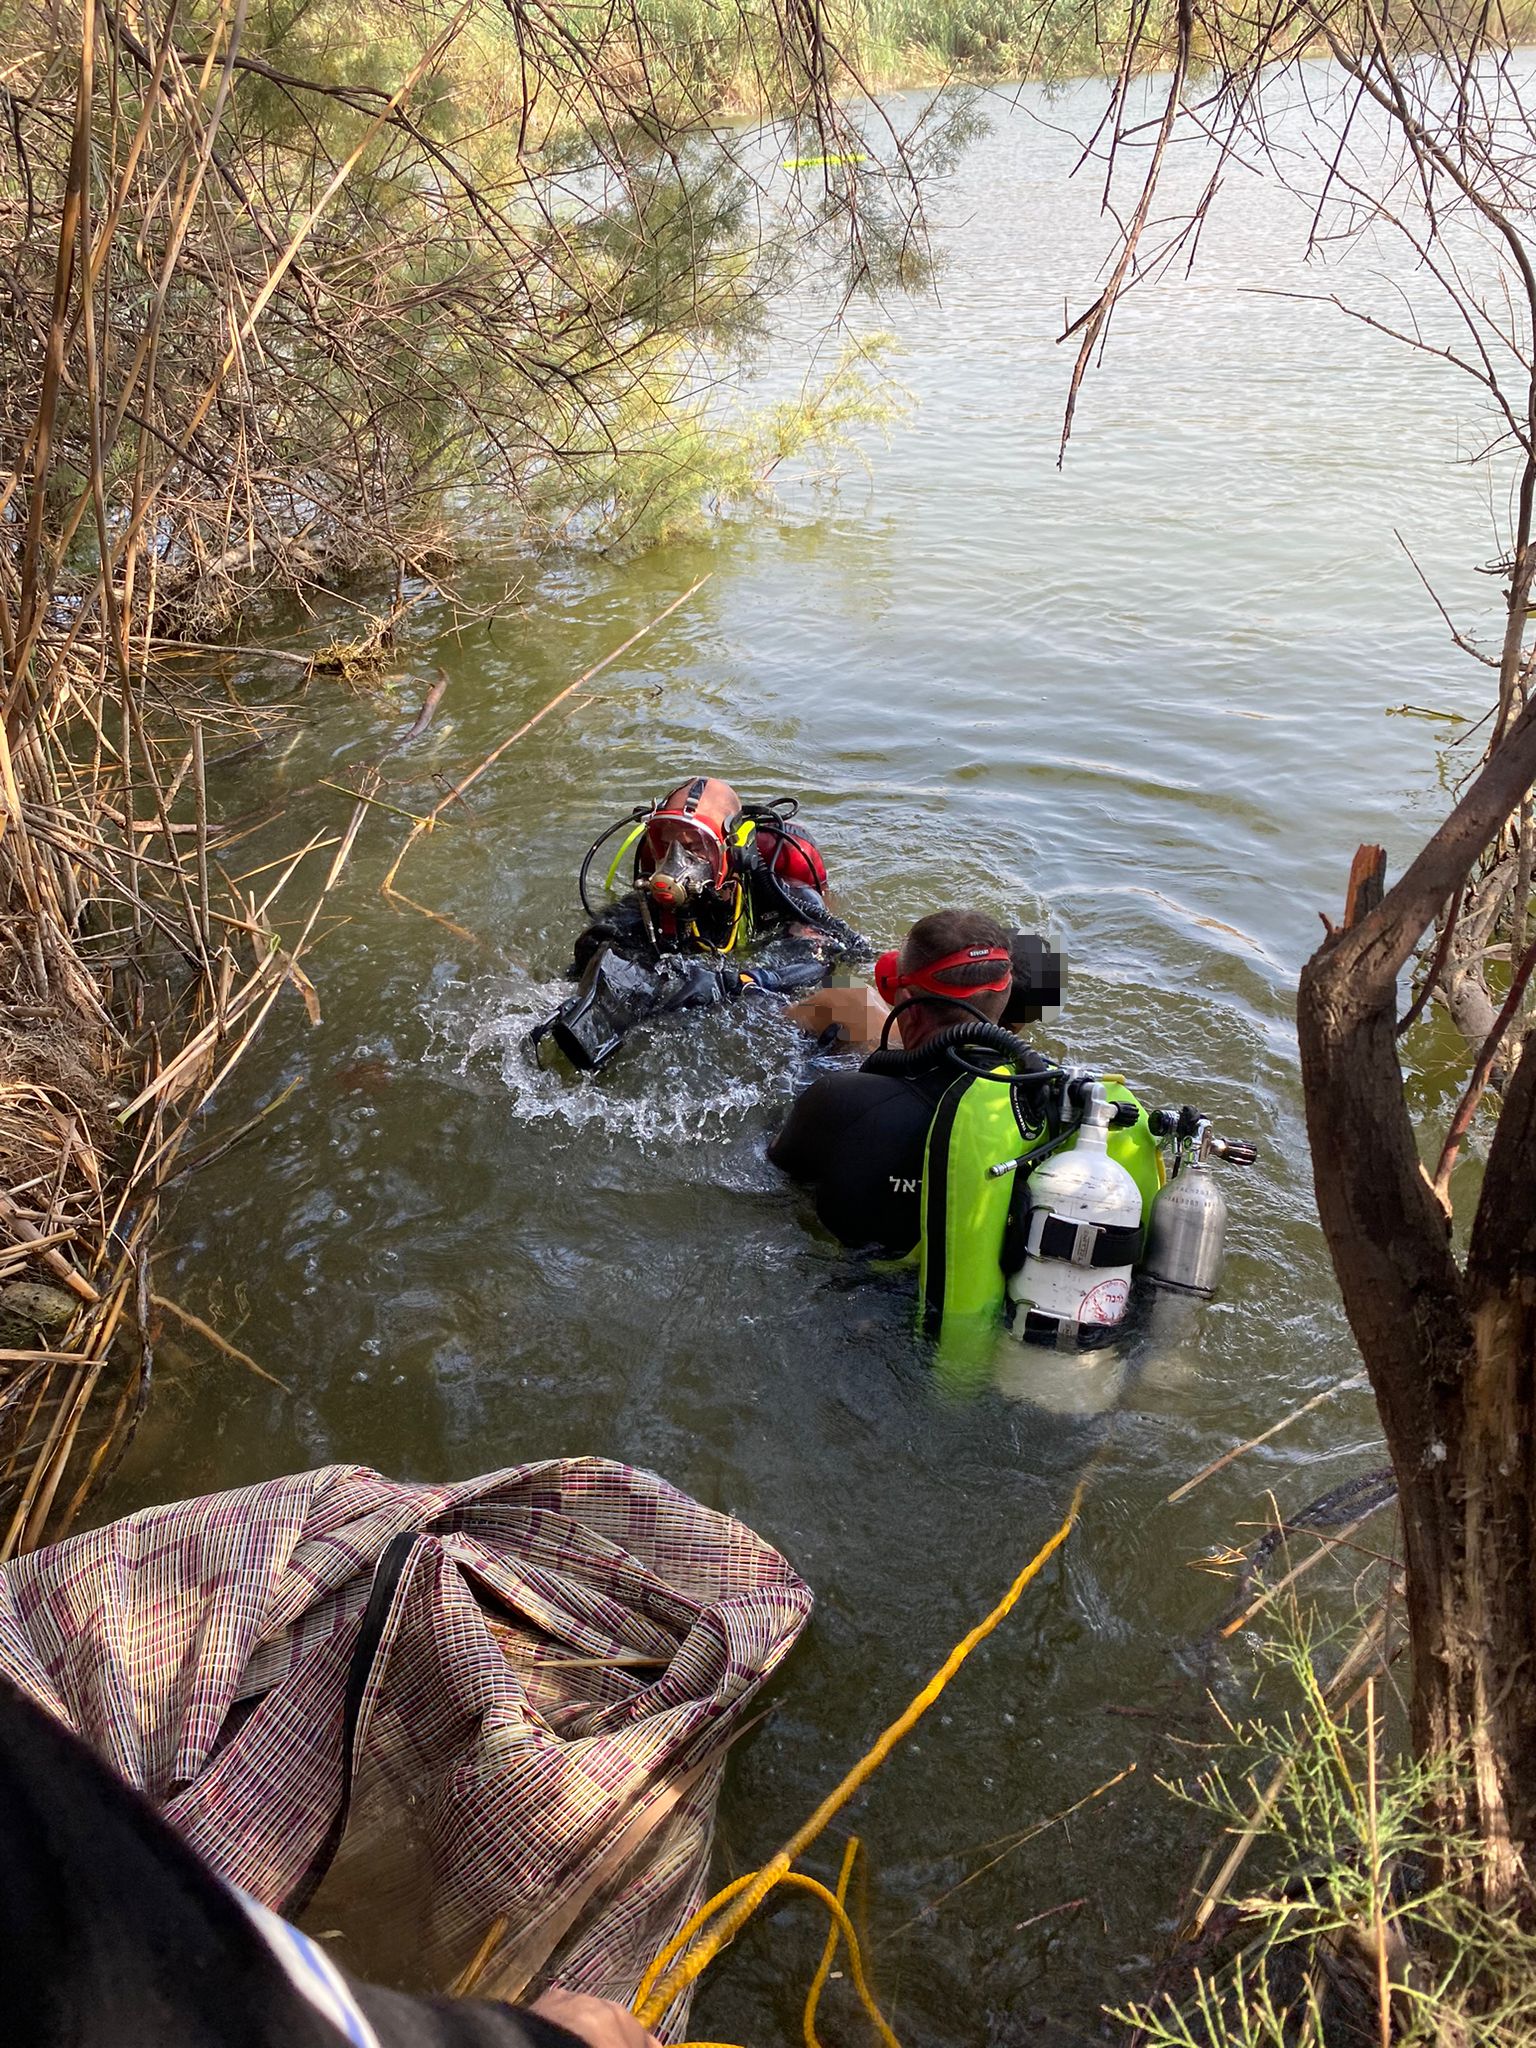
(962, 952)
(686, 849)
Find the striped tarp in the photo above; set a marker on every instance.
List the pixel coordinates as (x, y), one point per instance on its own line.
(484, 1719)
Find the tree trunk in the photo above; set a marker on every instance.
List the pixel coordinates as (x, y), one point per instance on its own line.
(1451, 1354)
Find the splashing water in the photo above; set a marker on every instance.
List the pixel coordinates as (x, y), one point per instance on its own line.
(688, 1080)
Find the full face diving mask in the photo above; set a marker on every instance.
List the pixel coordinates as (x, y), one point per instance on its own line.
(682, 875)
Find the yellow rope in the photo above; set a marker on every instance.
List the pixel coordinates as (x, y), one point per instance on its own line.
(685, 1934)
(843, 1925)
(824, 1967)
(721, 1918)
(840, 1925)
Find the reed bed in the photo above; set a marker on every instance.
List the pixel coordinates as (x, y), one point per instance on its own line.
(136, 965)
(134, 974)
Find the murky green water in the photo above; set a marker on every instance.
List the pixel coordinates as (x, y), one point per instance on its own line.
(1141, 703)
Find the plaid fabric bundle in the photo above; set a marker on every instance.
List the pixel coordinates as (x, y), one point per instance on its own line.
(473, 1724)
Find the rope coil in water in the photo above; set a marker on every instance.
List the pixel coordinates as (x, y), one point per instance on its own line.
(691, 1950)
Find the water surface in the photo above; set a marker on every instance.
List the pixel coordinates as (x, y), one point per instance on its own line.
(1142, 703)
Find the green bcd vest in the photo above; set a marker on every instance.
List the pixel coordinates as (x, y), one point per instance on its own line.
(961, 1284)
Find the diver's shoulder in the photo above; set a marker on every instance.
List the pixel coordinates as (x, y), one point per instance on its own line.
(862, 1091)
(846, 1095)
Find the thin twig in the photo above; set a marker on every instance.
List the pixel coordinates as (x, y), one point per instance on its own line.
(211, 1336)
(1466, 1109)
(1252, 1443)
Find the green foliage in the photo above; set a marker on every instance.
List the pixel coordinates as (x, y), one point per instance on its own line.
(1355, 1866)
(992, 38)
(674, 465)
(377, 276)
(899, 42)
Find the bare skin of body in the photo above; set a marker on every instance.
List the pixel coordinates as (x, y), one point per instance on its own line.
(597, 2021)
(858, 1014)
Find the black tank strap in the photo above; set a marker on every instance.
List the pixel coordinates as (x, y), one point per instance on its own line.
(1090, 1244)
(1064, 1335)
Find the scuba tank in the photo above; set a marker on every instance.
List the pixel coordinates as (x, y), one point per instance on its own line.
(1187, 1231)
(1084, 1234)
(1070, 1236)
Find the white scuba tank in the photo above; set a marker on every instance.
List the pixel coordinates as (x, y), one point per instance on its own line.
(1084, 1235)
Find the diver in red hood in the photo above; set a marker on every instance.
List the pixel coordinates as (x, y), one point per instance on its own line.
(709, 897)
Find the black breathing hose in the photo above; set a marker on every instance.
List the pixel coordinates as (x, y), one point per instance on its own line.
(634, 817)
(797, 898)
(803, 902)
(975, 1029)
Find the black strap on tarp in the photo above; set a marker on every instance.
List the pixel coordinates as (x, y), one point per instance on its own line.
(389, 1575)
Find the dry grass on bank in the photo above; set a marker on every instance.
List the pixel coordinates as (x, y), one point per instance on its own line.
(282, 296)
(134, 972)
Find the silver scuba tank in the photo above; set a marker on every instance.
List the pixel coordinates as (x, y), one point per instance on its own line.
(1187, 1236)
(1187, 1231)
(1084, 1234)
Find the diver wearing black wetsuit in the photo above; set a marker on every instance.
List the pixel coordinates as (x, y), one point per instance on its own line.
(723, 898)
(858, 1139)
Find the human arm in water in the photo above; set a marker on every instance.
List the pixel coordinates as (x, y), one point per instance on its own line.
(856, 1015)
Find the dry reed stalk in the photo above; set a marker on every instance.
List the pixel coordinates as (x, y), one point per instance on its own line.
(200, 771)
(429, 822)
(1325, 1548)
(1373, 1848)
(1371, 1653)
(1252, 1443)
